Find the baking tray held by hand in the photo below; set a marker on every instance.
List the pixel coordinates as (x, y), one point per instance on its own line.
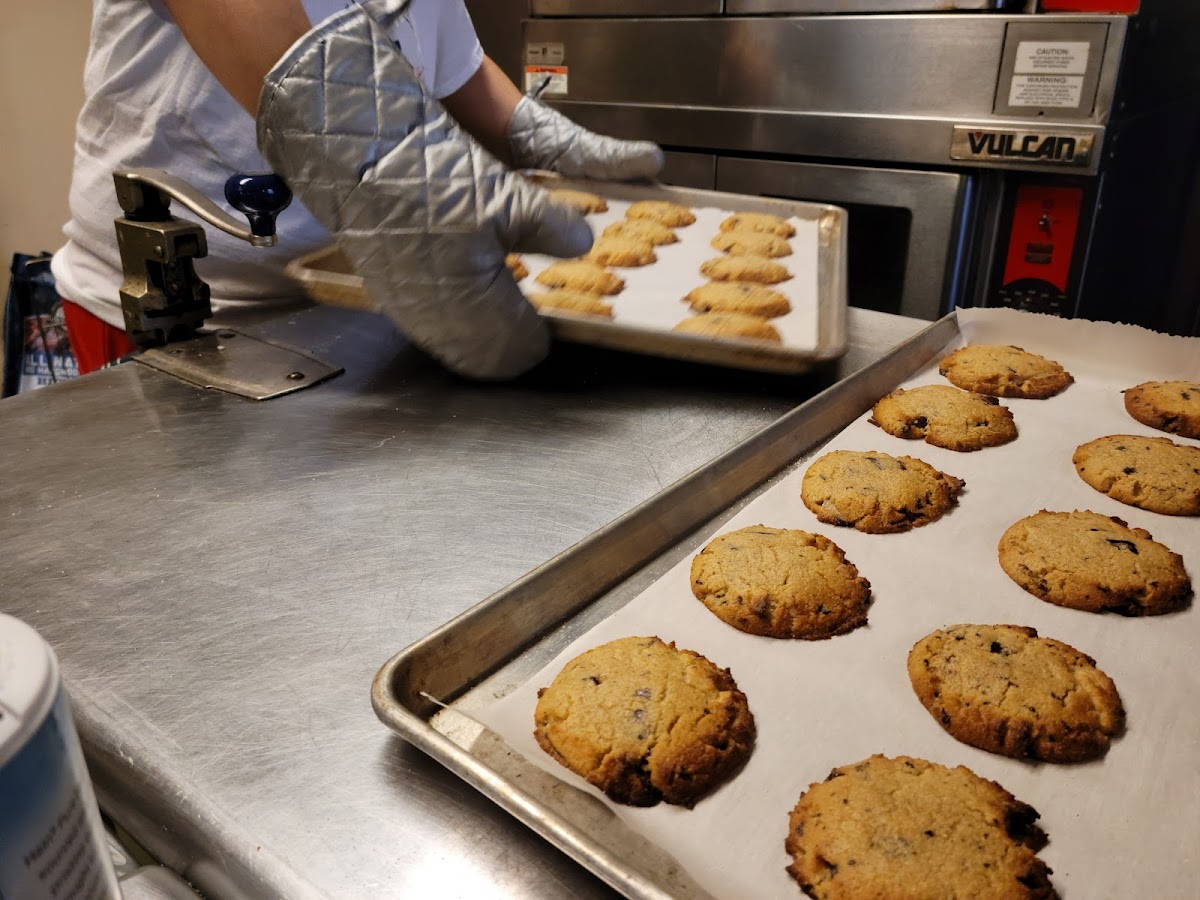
(326, 277)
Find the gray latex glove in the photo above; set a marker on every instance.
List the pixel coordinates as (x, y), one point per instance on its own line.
(542, 138)
(424, 214)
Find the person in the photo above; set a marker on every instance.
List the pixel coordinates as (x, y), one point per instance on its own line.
(208, 90)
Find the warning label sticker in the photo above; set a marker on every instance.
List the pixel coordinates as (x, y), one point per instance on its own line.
(554, 78)
(1059, 57)
(1062, 91)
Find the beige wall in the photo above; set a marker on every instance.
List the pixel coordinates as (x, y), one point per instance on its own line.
(42, 50)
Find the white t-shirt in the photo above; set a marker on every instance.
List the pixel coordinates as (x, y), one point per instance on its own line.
(152, 102)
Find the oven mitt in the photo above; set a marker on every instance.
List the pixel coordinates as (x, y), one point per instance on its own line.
(423, 213)
(542, 138)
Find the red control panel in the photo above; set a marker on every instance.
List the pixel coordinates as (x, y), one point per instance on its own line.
(1091, 6)
(1041, 244)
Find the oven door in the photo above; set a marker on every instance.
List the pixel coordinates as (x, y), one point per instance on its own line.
(910, 230)
(656, 8)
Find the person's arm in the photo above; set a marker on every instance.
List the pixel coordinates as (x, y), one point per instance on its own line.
(240, 40)
(484, 106)
(422, 212)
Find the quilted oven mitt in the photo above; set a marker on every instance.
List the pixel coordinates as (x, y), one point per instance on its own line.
(424, 214)
(542, 138)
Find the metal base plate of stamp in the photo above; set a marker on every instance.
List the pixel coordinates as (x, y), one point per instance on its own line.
(236, 363)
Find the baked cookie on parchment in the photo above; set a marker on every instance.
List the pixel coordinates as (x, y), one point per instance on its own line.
(1171, 406)
(1003, 689)
(1004, 372)
(739, 297)
(577, 302)
(945, 417)
(744, 268)
(751, 243)
(584, 201)
(877, 493)
(621, 252)
(645, 722)
(1151, 473)
(910, 829)
(1083, 560)
(517, 266)
(730, 325)
(662, 211)
(765, 223)
(780, 583)
(580, 275)
(654, 233)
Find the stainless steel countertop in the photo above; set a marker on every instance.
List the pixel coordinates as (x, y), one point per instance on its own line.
(221, 579)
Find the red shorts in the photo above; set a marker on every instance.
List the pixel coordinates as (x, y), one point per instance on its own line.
(94, 342)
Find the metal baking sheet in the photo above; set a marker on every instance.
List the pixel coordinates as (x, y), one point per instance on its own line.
(427, 691)
(822, 704)
(1134, 799)
(326, 277)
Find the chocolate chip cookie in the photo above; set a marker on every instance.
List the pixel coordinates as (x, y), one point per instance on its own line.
(654, 233)
(751, 243)
(645, 722)
(584, 201)
(621, 252)
(877, 493)
(739, 297)
(781, 583)
(1004, 689)
(580, 275)
(945, 417)
(744, 268)
(1171, 406)
(730, 325)
(576, 302)
(662, 211)
(764, 223)
(1083, 560)
(1151, 473)
(910, 829)
(1005, 372)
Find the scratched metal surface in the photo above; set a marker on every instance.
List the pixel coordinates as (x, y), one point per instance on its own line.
(221, 579)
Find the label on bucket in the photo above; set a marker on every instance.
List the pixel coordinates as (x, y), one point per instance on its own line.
(52, 845)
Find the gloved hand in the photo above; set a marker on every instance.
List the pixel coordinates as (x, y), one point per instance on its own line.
(542, 138)
(424, 214)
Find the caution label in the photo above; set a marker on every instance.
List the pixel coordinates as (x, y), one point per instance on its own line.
(554, 77)
(1059, 57)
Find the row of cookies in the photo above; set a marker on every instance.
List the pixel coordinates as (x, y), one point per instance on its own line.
(771, 581)
(647, 722)
(1155, 474)
(1150, 473)
(1080, 559)
(584, 286)
(1053, 705)
(982, 694)
(738, 302)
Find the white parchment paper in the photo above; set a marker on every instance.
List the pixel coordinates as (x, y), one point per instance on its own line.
(653, 295)
(1126, 826)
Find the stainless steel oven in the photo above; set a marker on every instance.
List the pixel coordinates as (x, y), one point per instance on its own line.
(989, 154)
